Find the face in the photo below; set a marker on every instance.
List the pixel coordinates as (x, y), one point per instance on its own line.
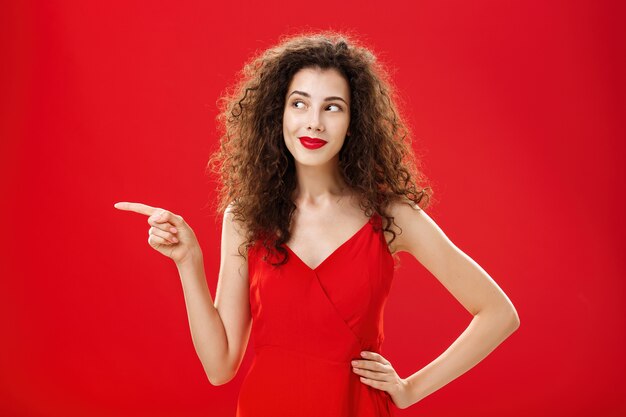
(316, 115)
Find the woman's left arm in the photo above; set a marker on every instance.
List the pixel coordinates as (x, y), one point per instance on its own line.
(495, 317)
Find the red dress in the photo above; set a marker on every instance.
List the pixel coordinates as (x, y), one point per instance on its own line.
(308, 324)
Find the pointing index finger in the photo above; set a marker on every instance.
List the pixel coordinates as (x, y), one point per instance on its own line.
(136, 207)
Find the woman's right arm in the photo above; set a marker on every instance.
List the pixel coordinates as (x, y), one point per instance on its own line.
(220, 330)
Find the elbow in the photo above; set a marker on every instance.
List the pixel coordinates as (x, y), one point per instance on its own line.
(222, 377)
(512, 319)
(509, 315)
(505, 317)
(217, 380)
(516, 321)
(514, 316)
(217, 383)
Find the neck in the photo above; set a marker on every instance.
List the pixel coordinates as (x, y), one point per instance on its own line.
(317, 185)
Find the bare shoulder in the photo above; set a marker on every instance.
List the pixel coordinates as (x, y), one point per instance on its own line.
(467, 281)
(414, 228)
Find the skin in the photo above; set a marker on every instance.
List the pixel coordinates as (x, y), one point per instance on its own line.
(321, 195)
(318, 106)
(327, 215)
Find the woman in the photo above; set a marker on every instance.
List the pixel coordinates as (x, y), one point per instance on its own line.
(319, 191)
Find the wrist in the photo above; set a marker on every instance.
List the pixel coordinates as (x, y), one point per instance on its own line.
(193, 260)
(414, 389)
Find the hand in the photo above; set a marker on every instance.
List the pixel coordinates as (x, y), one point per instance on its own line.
(378, 373)
(169, 234)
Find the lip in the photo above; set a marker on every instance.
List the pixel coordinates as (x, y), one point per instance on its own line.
(312, 143)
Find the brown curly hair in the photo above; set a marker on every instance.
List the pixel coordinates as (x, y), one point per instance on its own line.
(255, 168)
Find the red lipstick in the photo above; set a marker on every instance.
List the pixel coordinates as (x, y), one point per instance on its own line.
(312, 143)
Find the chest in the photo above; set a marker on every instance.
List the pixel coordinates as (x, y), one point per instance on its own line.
(315, 242)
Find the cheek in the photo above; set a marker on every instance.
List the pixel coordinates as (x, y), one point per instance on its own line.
(287, 133)
(288, 121)
(343, 124)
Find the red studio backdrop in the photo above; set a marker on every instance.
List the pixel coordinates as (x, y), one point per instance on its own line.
(517, 110)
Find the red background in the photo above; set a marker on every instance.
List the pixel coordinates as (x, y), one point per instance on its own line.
(517, 108)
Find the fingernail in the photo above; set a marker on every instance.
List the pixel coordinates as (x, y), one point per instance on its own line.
(354, 363)
(363, 354)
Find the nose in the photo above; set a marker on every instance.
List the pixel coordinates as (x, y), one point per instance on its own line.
(315, 123)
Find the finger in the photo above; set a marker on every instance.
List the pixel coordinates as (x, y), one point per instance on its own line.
(165, 235)
(165, 216)
(371, 365)
(377, 376)
(375, 356)
(136, 207)
(166, 227)
(157, 240)
(372, 383)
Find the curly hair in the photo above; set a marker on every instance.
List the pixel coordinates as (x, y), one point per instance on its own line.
(255, 168)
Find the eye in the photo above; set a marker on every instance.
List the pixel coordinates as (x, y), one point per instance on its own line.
(335, 106)
(296, 102)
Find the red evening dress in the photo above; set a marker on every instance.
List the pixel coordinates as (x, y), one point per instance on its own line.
(308, 324)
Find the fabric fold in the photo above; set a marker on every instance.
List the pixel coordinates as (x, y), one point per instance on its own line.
(308, 324)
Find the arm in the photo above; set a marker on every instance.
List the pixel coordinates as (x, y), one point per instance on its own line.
(495, 317)
(219, 330)
(207, 330)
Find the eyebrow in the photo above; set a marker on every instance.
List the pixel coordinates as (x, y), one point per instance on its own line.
(302, 93)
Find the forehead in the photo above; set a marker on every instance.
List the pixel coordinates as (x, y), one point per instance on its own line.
(320, 83)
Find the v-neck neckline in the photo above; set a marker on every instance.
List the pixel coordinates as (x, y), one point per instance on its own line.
(351, 238)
